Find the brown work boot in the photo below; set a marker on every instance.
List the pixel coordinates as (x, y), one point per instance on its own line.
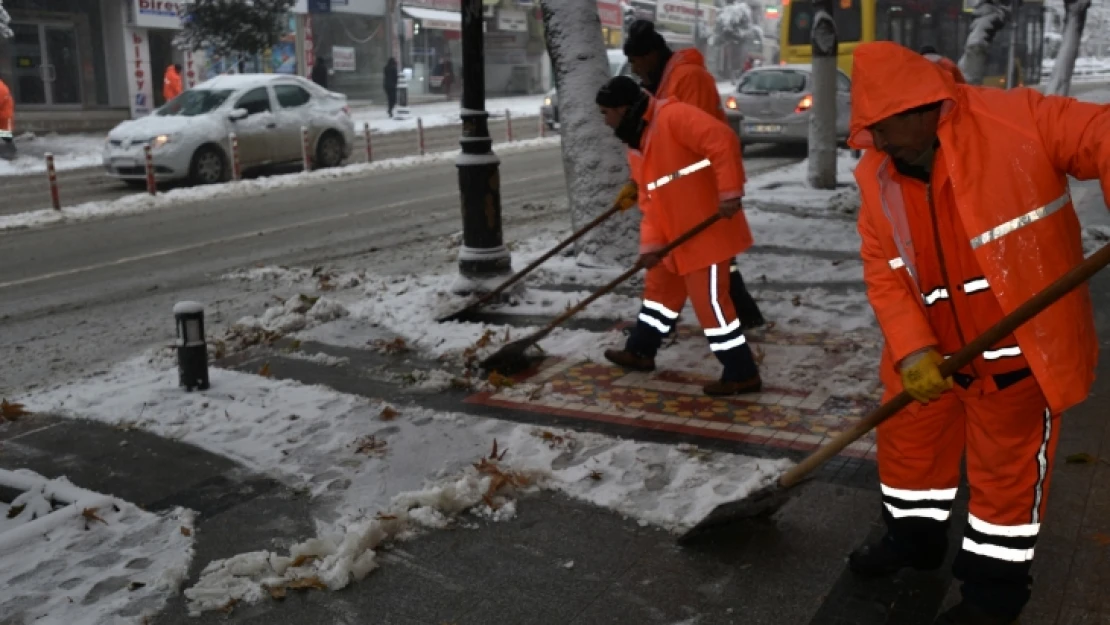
(725, 388)
(630, 360)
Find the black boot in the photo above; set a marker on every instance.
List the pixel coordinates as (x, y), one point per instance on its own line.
(885, 558)
(630, 360)
(639, 350)
(746, 308)
(969, 614)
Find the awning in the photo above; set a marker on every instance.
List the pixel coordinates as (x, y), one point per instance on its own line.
(434, 19)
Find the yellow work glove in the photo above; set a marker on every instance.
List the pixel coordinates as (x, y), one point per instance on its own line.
(921, 376)
(627, 197)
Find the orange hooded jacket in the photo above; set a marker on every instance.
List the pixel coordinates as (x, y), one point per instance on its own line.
(1007, 155)
(949, 66)
(171, 83)
(688, 164)
(7, 111)
(686, 79)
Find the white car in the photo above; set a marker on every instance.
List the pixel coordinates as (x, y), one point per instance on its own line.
(190, 135)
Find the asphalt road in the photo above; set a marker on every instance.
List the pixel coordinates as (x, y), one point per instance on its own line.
(75, 296)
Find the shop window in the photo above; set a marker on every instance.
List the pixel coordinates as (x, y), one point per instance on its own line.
(291, 96)
(255, 101)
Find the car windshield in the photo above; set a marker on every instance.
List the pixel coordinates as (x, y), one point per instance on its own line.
(770, 81)
(195, 102)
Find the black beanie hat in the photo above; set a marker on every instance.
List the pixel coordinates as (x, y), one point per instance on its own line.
(619, 91)
(642, 39)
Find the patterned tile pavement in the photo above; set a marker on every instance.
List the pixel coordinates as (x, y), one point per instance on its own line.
(795, 410)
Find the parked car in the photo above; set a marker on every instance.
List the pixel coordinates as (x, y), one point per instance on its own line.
(618, 66)
(189, 135)
(772, 104)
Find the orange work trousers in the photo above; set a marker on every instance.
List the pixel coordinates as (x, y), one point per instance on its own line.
(1010, 438)
(666, 292)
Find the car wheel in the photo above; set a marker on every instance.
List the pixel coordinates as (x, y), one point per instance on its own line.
(208, 166)
(329, 152)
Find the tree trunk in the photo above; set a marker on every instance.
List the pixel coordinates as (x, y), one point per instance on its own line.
(822, 118)
(594, 161)
(990, 18)
(1075, 19)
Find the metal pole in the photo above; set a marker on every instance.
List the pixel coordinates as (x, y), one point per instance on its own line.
(483, 253)
(1015, 16)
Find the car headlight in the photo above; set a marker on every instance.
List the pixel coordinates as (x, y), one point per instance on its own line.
(160, 140)
(547, 101)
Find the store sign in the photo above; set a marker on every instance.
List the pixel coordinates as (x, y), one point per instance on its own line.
(158, 13)
(442, 5)
(342, 59)
(190, 79)
(512, 20)
(610, 13)
(139, 87)
(309, 45)
(678, 12)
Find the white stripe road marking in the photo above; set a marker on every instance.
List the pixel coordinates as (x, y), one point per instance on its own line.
(655, 323)
(723, 331)
(937, 294)
(897, 263)
(998, 553)
(239, 237)
(934, 494)
(935, 514)
(974, 286)
(1016, 223)
(713, 297)
(661, 309)
(724, 347)
(1007, 531)
(1003, 352)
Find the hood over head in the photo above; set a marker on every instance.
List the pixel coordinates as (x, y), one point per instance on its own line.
(687, 56)
(888, 79)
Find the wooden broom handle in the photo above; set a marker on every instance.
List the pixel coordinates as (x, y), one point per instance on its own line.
(1053, 292)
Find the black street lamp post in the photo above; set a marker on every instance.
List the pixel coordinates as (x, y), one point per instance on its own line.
(483, 254)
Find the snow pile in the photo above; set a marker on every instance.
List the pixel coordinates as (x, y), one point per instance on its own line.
(446, 114)
(378, 472)
(71, 151)
(142, 202)
(297, 313)
(787, 188)
(97, 565)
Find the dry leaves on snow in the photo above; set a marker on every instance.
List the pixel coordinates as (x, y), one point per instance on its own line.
(370, 445)
(265, 371)
(499, 381)
(305, 583)
(499, 478)
(11, 411)
(186, 531)
(90, 515)
(388, 414)
(303, 559)
(396, 346)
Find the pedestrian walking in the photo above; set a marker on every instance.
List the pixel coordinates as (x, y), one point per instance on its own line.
(7, 122)
(171, 82)
(320, 72)
(389, 84)
(682, 76)
(954, 238)
(687, 166)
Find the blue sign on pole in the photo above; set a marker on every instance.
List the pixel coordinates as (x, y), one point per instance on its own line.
(319, 6)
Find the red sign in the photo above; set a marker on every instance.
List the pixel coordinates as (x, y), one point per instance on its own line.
(140, 78)
(610, 13)
(309, 45)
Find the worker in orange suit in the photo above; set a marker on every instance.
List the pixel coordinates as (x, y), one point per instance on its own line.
(7, 122)
(688, 168)
(682, 76)
(171, 82)
(948, 64)
(966, 215)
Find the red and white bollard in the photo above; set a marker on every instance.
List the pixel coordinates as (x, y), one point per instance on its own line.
(148, 154)
(420, 134)
(52, 176)
(369, 149)
(236, 169)
(509, 125)
(306, 150)
(543, 126)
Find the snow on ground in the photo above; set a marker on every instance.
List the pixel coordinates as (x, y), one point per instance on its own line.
(786, 187)
(118, 563)
(444, 113)
(70, 152)
(141, 202)
(1086, 69)
(378, 472)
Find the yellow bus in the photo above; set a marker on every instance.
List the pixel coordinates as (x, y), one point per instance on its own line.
(943, 24)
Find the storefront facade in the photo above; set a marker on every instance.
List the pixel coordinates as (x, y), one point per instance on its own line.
(352, 37)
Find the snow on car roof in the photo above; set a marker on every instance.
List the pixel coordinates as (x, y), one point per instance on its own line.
(246, 81)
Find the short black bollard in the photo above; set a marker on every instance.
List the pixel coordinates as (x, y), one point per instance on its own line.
(192, 351)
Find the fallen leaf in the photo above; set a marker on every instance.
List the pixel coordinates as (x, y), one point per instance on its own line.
(385, 517)
(369, 445)
(1081, 458)
(307, 583)
(90, 515)
(493, 454)
(797, 301)
(14, 511)
(595, 475)
(395, 346)
(133, 586)
(484, 340)
(186, 531)
(277, 593)
(11, 412)
(265, 371)
(302, 559)
(295, 345)
(228, 607)
(388, 414)
(499, 381)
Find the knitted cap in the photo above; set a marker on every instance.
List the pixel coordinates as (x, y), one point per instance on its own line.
(619, 91)
(642, 39)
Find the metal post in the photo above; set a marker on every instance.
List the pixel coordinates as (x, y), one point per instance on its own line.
(148, 157)
(236, 170)
(1015, 16)
(306, 151)
(543, 125)
(483, 253)
(509, 125)
(52, 177)
(697, 24)
(369, 149)
(420, 135)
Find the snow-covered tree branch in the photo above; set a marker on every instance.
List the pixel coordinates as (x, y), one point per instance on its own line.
(734, 24)
(990, 18)
(593, 159)
(822, 117)
(234, 27)
(5, 21)
(1074, 21)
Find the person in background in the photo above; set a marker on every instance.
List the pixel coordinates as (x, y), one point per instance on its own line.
(171, 82)
(389, 84)
(320, 72)
(7, 122)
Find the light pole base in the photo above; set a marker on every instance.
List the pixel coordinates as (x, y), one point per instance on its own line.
(482, 269)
